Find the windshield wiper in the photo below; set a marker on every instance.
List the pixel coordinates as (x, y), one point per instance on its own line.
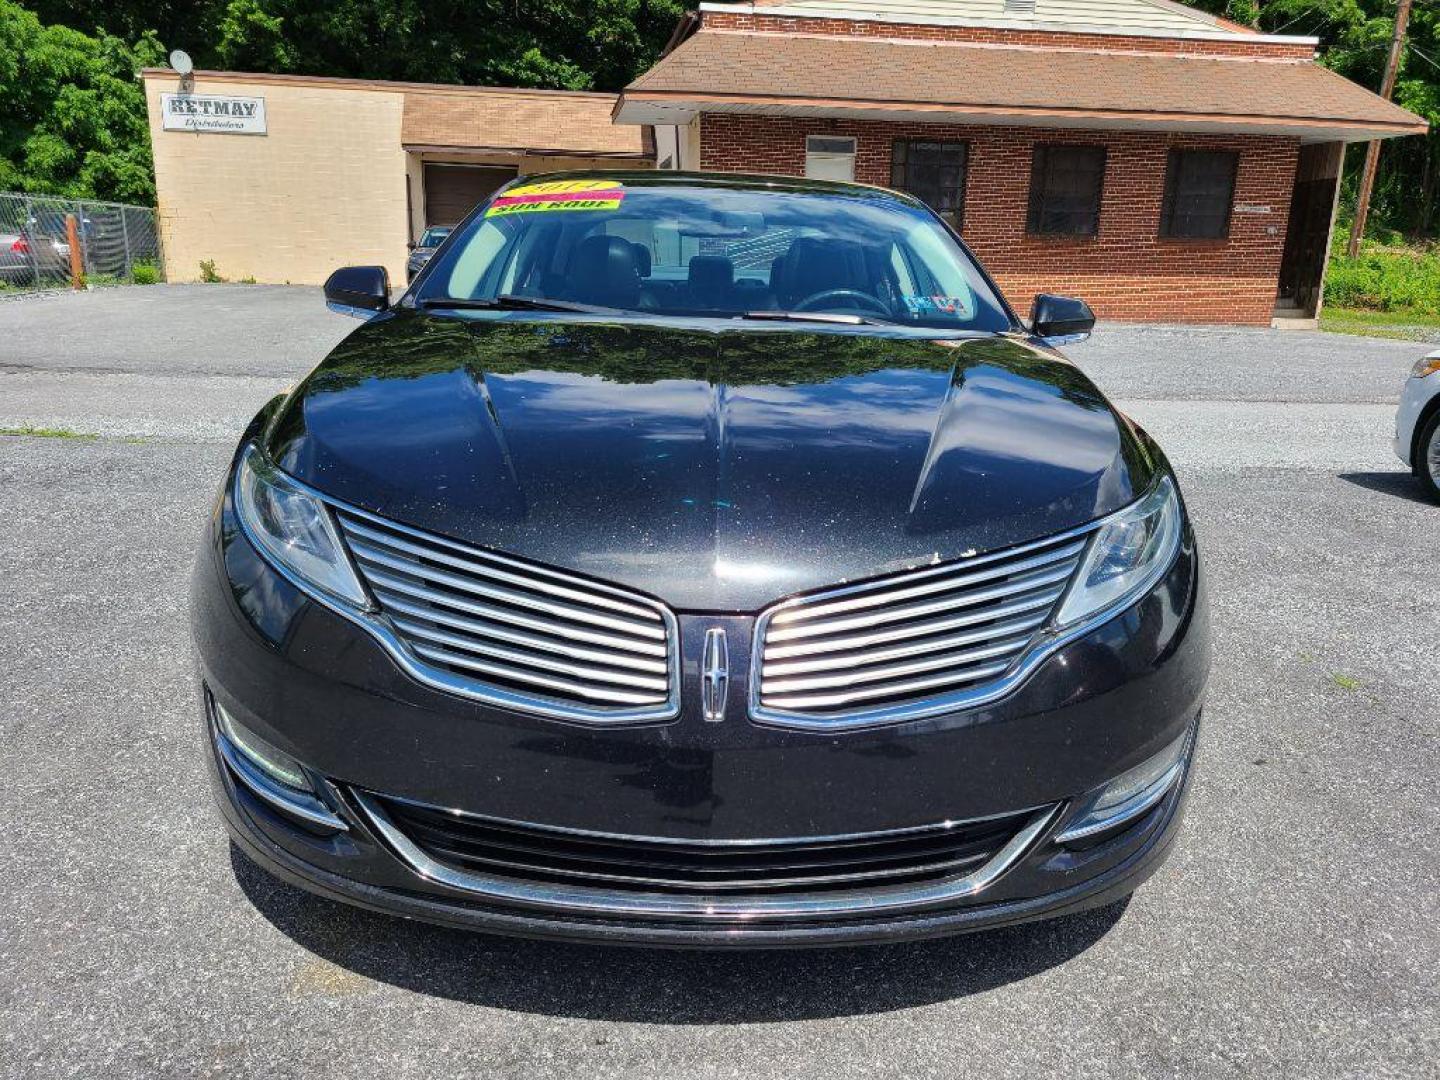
(814, 316)
(513, 303)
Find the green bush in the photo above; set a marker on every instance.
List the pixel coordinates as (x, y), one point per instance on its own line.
(1398, 281)
(145, 273)
(208, 273)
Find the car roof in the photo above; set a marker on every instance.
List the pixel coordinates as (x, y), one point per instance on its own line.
(758, 182)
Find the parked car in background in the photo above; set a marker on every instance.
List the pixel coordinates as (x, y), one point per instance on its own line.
(1417, 423)
(701, 560)
(26, 258)
(420, 254)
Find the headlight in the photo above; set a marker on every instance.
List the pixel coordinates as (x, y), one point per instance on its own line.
(1426, 365)
(293, 529)
(1127, 555)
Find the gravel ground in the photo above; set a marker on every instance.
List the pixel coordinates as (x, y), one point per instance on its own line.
(1292, 933)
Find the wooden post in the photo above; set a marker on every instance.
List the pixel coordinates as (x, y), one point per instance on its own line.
(77, 266)
(1372, 151)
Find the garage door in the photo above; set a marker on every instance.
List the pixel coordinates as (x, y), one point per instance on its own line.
(451, 191)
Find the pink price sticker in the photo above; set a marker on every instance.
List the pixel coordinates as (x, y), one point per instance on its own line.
(558, 195)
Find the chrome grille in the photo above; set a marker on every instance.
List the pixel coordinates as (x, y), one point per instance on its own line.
(515, 633)
(909, 645)
(517, 850)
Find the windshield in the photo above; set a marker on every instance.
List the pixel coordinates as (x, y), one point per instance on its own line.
(715, 251)
(432, 237)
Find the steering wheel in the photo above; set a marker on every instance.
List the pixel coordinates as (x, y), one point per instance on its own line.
(826, 296)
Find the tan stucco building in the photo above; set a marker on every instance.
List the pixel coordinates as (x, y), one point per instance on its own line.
(282, 178)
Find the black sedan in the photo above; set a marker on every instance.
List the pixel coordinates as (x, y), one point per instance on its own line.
(700, 560)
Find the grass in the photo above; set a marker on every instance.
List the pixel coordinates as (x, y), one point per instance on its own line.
(1345, 682)
(1391, 290)
(49, 433)
(1402, 325)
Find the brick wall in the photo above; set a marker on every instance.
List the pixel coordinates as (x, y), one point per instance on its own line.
(1047, 39)
(1127, 271)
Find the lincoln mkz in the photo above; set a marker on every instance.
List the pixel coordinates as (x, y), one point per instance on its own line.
(701, 561)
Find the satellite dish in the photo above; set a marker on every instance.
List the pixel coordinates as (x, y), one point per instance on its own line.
(181, 62)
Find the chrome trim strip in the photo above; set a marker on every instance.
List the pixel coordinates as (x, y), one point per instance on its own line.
(1035, 579)
(366, 554)
(758, 843)
(1007, 628)
(953, 662)
(819, 701)
(954, 575)
(931, 626)
(378, 626)
(502, 671)
(296, 803)
(474, 630)
(573, 900)
(383, 585)
(480, 568)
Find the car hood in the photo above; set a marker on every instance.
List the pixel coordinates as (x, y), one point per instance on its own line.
(715, 467)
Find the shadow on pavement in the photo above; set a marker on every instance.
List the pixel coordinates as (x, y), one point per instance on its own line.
(665, 986)
(1402, 485)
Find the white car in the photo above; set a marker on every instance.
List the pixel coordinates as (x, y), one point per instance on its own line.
(1417, 424)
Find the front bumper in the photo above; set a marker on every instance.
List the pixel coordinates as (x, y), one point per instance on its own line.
(317, 687)
(1416, 394)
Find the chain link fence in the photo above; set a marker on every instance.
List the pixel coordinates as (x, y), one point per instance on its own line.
(119, 244)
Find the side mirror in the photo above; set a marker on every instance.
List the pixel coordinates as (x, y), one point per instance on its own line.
(358, 290)
(1060, 320)
(410, 245)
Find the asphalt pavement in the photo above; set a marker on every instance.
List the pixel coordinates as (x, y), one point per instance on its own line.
(1293, 932)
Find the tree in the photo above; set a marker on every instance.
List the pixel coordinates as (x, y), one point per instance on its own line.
(72, 115)
(1355, 36)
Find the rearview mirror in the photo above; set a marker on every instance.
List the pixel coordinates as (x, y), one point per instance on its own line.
(1060, 320)
(358, 290)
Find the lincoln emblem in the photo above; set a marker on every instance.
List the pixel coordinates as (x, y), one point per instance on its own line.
(714, 675)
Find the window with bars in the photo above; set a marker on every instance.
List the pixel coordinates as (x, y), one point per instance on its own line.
(934, 172)
(1199, 194)
(1065, 187)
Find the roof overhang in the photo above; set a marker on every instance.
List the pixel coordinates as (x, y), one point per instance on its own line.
(1207, 28)
(522, 151)
(662, 108)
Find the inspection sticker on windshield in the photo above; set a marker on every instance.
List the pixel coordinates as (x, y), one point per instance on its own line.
(559, 195)
(930, 305)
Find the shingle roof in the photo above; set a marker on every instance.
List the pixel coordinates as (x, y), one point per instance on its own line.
(490, 118)
(1064, 83)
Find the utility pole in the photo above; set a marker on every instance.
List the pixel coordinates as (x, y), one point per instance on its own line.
(1372, 150)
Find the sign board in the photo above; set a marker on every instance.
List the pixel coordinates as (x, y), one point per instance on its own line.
(1251, 208)
(213, 112)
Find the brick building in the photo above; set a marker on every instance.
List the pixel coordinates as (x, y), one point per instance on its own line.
(1159, 162)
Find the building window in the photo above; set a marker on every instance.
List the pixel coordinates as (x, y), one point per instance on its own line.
(1199, 192)
(1065, 186)
(829, 157)
(933, 172)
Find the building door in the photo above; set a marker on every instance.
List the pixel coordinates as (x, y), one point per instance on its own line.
(1307, 236)
(452, 191)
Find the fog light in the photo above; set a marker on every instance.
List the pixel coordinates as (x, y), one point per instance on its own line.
(272, 762)
(270, 773)
(1130, 794)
